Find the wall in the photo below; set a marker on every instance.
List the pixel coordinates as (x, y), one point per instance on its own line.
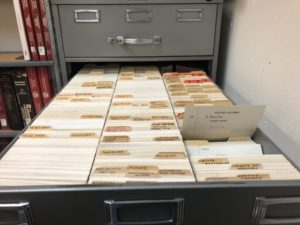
(9, 35)
(260, 63)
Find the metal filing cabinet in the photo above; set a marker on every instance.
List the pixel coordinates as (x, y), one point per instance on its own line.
(150, 30)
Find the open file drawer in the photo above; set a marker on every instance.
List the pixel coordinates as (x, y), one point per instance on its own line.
(224, 203)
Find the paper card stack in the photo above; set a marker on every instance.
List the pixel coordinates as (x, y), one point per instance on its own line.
(243, 168)
(59, 147)
(227, 148)
(194, 88)
(140, 141)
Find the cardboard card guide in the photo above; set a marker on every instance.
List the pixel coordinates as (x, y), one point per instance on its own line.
(215, 123)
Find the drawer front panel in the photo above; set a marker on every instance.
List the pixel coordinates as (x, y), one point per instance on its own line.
(161, 205)
(138, 30)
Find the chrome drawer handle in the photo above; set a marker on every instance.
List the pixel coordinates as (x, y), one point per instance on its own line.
(23, 213)
(261, 207)
(134, 41)
(94, 11)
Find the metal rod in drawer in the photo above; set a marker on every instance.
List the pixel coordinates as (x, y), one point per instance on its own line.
(79, 11)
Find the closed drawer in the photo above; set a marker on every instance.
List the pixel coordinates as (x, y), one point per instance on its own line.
(253, 203)
(138, 30)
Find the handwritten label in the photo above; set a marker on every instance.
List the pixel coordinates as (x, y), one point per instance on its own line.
(110, 170)
(40, 127)
(121, 138)
(118, 129)
(170, 155)
(89, 84)
(123, 96)
(175, 172)
(173, 138)
(246, 166)
(113, 152)
(163, 126)
(80, 100)
(91, 116)
(142, 168)
(30, 135)
(239, 138)
(213, 161)
(83, 134)
(121, 117)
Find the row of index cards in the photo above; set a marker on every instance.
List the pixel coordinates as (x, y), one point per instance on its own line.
(59, 146)
(141, 141)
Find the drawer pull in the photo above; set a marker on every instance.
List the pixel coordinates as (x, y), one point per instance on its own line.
(263, 205)
(183, 13)
(145, 13)
(16, 214)
(145, 212)
(94, 19)
(134, 41)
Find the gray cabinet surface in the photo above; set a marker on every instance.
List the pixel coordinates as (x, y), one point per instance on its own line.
(138, 30)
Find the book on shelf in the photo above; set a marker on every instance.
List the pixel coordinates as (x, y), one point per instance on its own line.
(23, 96)
(37, 27)
(45, 29)
(10, 101)
(35, 91)
(29, 30)
(3, 113)
(21, 28)
(45, 85)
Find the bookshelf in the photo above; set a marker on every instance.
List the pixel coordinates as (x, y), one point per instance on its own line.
(11, 54)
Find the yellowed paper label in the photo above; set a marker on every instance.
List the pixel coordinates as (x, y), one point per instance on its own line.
(91, 116)
(113, 152)
(142, 168)
(62, 98)
(199, 97)
(121, 138)
(119, 117)
(179, 93)
(123, 96)
(80, 100)
(239, 138)
(162, 117)
(170, 155)
(173, 138)
(142, 174)
(202, 101)
(183, 103)
(105, 84)
(246, 166)
(109, 170)
(34, 135)
(118, 129)
(214, 161)
(83, 134)
(163, 126)
(140, 118)
(40, 127)
(263, 176)
(175, 172)
(89, 84)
